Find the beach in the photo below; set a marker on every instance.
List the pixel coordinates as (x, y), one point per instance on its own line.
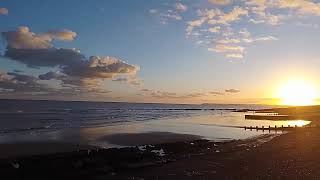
(174, 142)
(293, 155)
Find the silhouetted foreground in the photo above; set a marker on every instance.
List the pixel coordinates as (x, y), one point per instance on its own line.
(294, 156)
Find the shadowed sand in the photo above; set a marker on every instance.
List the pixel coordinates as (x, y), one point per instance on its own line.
(125, 139)
(38, 148)
(134, 139)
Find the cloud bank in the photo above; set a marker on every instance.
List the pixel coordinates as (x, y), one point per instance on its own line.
(72, 69)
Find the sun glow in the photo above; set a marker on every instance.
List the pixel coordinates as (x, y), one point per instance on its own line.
(297, 93)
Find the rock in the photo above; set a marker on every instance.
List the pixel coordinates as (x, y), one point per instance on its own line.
(15, 165)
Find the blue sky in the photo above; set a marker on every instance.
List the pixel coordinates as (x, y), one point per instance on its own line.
(164, 51)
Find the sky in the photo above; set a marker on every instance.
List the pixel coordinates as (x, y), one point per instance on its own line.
(168, 51)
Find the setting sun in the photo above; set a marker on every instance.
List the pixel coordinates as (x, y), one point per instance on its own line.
(297, 92)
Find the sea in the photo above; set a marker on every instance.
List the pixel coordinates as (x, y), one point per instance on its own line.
(86, 122)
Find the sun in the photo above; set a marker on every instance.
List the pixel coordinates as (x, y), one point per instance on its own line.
(297, 93)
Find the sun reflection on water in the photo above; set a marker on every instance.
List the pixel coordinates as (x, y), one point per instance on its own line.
(298, 123)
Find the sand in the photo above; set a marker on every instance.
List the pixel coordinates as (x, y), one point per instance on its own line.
(38, 148)
(294, 155)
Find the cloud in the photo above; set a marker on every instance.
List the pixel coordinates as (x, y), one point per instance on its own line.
(153, 11)
(230, 50)
(174, 13)
(50, 57)
(145, 90)
(227, 48)
(234, 56)
(193, 24)
(181, 7)
(22, 38)
(220, 2)
(163, 94)
(229, 41)
(216, 93)
(52, 75)
(100, 67)
(215, 29)
(4, 11)
(302, 6)
(20, 83)
(232, 90)
(205, 15)
(63, 35)
(226, 18)
(266, 38)
(91, 73)
(220, 24)
(72, 69)
(36, 50)
(166, 16)
(129, 80)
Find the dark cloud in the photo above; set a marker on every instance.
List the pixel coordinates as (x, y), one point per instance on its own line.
(22, 38)
(52, 75)
(163, 94)
(195, 95)
(145, 90)
(216, 93)
(50, 57)
(17, 71)
(232, 90)
(99, 67)
(15, 82)
(73, 69)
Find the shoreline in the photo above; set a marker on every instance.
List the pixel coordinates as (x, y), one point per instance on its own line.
(115, 163)
(18, 150)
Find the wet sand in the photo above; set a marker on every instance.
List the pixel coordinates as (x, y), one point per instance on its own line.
(290, 156)
(134, 139)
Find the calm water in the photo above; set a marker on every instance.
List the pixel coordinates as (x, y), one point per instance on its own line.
(86, 122)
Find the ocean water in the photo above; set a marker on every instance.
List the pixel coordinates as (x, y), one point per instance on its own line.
(87, 122)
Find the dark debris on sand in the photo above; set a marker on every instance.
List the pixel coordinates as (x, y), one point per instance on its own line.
(88, 164)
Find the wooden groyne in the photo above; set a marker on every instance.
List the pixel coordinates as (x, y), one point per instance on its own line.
(279, 128)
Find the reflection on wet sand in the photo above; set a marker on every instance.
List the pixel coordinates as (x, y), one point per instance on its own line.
(216, 126)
